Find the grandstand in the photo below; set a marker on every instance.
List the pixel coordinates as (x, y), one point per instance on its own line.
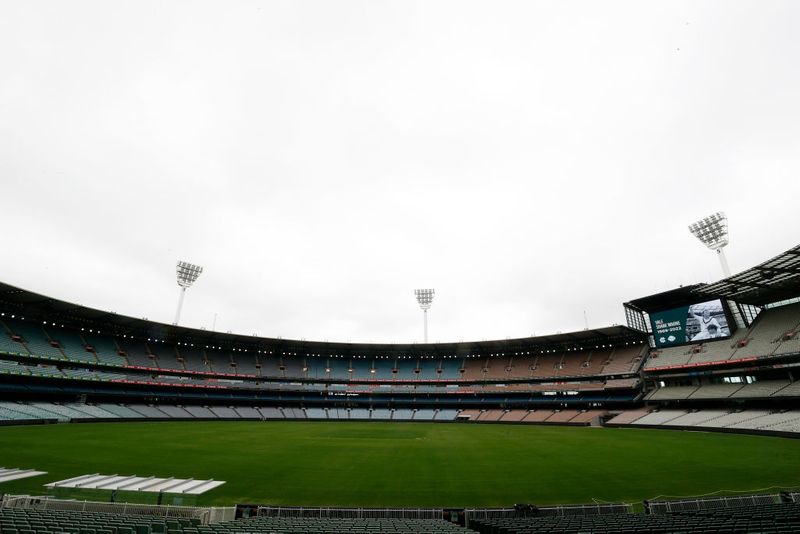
(61, 363)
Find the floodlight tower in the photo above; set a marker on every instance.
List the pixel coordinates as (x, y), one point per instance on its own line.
(712, 231)
(425, 298)
(187, 275)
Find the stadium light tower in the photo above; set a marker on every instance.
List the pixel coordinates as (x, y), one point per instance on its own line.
(425, 298)
(187, 275)
(712, 231)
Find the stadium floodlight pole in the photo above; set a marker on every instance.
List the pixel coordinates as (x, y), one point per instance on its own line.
(712, 231)
(425, 298)
(187, 275)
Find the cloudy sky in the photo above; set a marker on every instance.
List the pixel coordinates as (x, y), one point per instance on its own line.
(530, 160)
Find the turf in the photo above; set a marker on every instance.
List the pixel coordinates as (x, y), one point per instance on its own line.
(406, 464)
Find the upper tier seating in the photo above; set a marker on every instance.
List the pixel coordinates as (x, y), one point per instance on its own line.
(92, 348)
(776, 331)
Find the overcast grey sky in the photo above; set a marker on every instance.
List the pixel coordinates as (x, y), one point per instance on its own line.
(321, 159)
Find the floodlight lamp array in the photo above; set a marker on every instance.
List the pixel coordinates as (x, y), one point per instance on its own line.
(187, 273)
(424, 297)
(712, 231)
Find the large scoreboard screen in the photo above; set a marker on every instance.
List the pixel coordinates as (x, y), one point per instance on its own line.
(703, 321)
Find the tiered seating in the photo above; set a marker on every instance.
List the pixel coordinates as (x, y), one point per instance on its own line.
(783, 421)
(738, 417)
(669, 356)
(34, 412)
(715, 391)
(7, 413)
(472, 415)
(72, 345)
(789, 425)
(359, 413)
(270, 413)
(622, 383)
(293, 368)
(193, 360)
(491, 415)
(223, 412)
(35, 339)
(402, 414)
(337, 413)
(756, 518)
(515, 415)
(792, 390)
(175, 411)
(660, 417)
(91, 410)
(587, 416)
(121, 411)
(148, 411)
(381, 413)
(766, 422)
(246, 412)
(624, 360)
(337, 526)
(13, 520)
(247, 365)
(451, 369)
(316, 413)
(762, 388)
(699, 418)
(167, 356)
(764, 337)
(138, 354)
(200, 412)
(424, 415)
(562, 416)
(65, 411)
(537, 416)
(105, 349)
(14, 368)
(711, 351)
(446, 415)
(628, 417)
(7, 344)
(672, 393)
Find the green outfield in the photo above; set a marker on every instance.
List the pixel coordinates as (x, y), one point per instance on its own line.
(405, 464)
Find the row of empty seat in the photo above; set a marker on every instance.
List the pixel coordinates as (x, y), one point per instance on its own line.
(33, 521)
(756, 390)
(64, 370)
(52, 342)
(764, 518)
(751, 419)
(21, 411)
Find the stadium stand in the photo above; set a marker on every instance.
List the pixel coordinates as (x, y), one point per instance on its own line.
(627, 417)
(715, 391)
(562, 416)
(270, 413)
(537, 416)
(760, 389)
(671, 393)
(660, 417)
(770, 517)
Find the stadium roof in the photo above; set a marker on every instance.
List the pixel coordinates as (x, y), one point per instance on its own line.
(774, 280)
(33, 306)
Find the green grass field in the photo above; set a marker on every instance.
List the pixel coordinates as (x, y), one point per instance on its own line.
(405, 464)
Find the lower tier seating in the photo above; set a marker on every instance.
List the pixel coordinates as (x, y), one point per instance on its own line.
(763, 420)
(762, 518)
